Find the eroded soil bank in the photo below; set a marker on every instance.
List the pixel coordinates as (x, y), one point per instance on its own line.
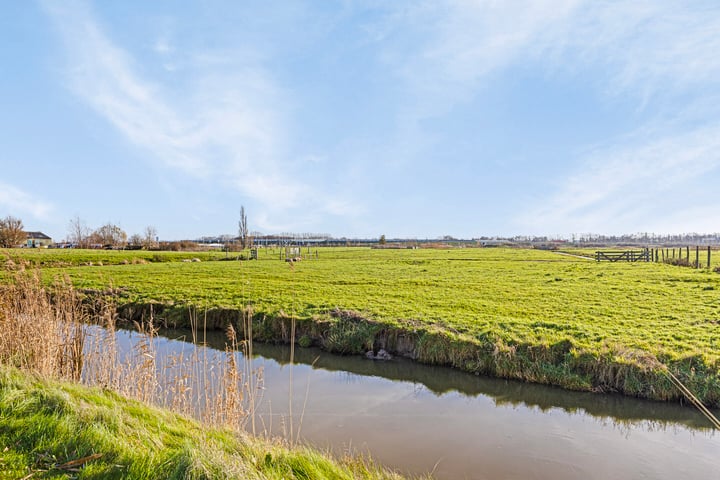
(614, 369)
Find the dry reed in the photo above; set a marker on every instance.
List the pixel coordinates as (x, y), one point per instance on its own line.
(50, 332)
(37, 331)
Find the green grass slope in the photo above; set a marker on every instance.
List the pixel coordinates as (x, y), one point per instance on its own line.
(60, 430)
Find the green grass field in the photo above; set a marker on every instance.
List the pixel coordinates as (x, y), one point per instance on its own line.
(515, 298)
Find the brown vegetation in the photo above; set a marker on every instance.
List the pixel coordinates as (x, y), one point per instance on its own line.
(11, 232)
(52, 333)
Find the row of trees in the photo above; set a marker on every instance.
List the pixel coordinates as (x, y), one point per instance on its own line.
(109, 234)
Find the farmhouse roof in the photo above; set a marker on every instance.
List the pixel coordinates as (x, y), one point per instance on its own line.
(37, 235)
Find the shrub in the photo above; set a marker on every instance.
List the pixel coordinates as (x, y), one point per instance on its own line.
(679, 262)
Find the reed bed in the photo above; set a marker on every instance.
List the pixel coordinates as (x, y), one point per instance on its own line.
(51, 332)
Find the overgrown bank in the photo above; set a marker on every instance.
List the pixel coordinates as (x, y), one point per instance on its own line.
(614, 368)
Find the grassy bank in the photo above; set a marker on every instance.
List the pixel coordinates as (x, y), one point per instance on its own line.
(532, 315)
(51, 429)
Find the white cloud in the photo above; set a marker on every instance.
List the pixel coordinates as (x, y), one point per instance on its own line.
(647, 52)
(18, 202)
(457, 44)
(224, 121)
(648, 48)
(448, 49)
(221, 122)
(618, 187)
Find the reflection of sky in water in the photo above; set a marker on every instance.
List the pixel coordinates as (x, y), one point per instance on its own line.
(490, 431)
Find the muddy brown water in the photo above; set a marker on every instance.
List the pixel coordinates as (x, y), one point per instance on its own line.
(418, 419)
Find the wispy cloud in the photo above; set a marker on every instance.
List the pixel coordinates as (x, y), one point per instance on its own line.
(659, 53)
(632, 186)
(179, 127)
(18, 202)
(649, 49)
(644, 53)
(220, 120)
(222, 116)
(448, 49)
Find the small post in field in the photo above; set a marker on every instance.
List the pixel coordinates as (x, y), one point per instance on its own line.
(708, 264)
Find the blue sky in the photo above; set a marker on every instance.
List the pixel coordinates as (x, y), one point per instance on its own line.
(362, 118)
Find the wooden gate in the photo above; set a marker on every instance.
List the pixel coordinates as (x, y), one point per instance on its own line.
(623, 256)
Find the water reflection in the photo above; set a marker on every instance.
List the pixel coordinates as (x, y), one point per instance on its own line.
(614, 408)
(419, 419)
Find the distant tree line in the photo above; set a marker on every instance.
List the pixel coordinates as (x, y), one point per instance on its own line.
(108, 235)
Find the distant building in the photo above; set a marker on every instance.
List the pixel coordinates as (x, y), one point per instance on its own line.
(37, 240)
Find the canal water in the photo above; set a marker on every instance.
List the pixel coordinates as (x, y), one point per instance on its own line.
(419, 419)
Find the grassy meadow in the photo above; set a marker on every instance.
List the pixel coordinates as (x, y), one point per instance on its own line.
(528, 314)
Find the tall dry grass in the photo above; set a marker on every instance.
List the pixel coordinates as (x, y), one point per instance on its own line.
(40, 332)
(51, 332)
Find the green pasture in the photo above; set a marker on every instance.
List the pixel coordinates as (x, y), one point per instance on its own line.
(519, 296)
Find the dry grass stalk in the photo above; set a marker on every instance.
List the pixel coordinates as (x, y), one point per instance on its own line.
(50, 332)
(36, 334)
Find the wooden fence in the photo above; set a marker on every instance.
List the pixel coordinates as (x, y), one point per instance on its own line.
(669, 255)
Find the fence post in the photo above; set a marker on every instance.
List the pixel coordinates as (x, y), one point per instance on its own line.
(697, 256)
(708, 265)
(687, 253)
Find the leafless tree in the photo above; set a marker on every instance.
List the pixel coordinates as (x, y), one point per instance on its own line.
(150, 239)
(78, 232)
(243, 228)
(136, 240)
(109, 234)
(11, 232)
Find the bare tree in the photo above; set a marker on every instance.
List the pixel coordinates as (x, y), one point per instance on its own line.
(150, 239)
(136, 240)
(78, 232)
(11, 232)
(109, 234)
(243, 228)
